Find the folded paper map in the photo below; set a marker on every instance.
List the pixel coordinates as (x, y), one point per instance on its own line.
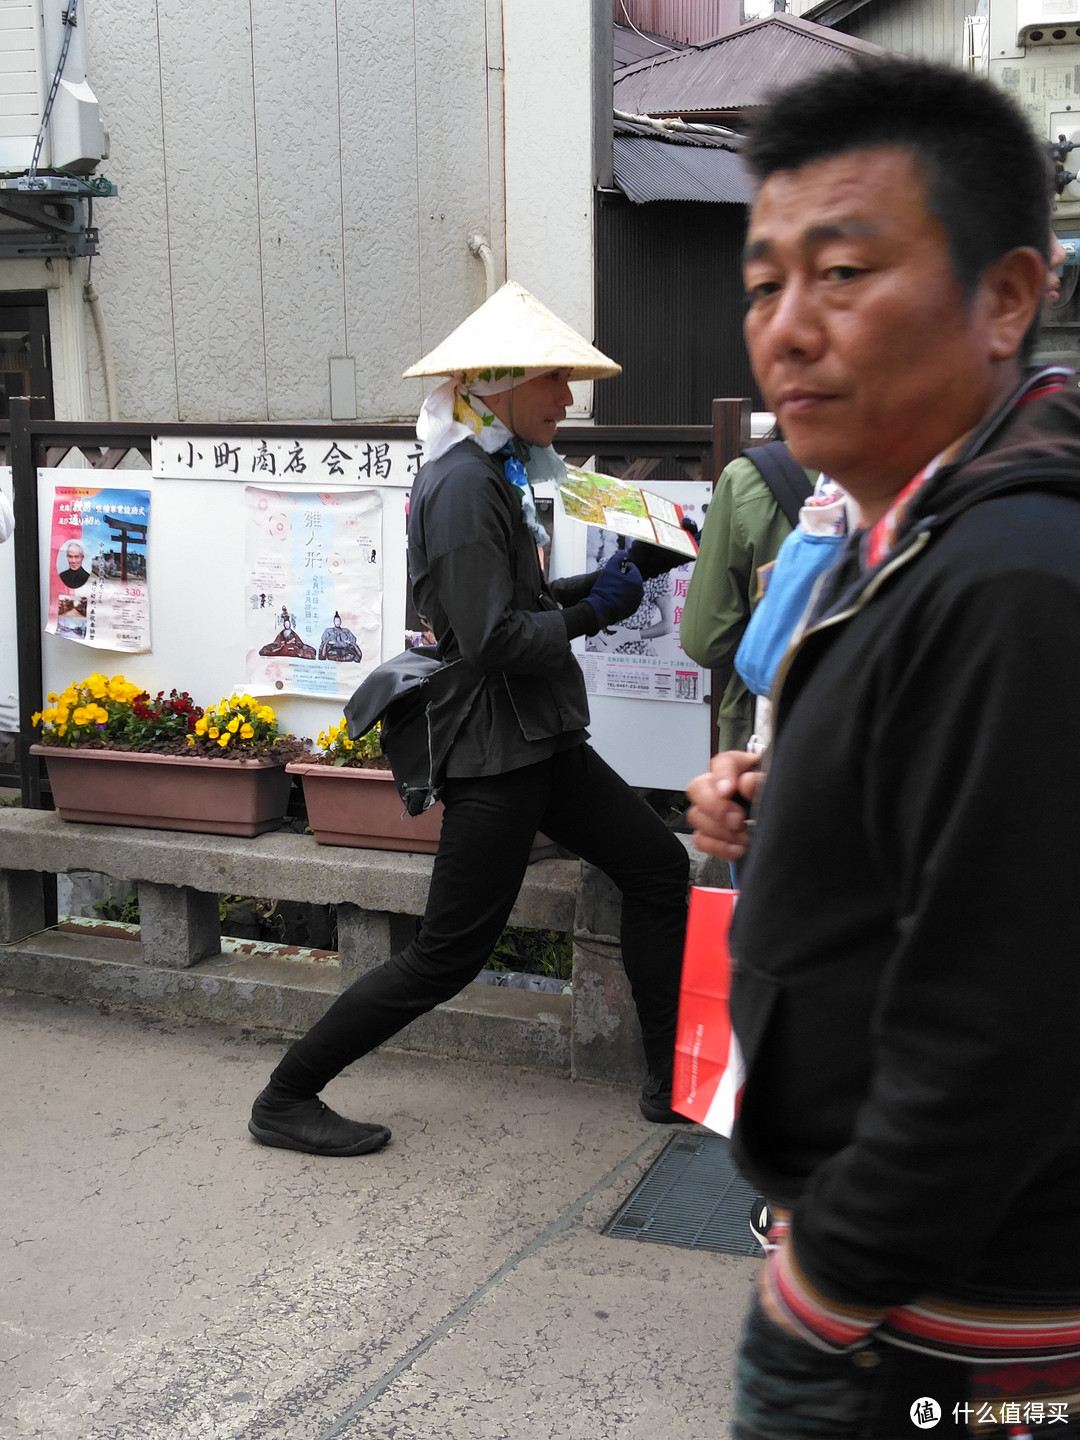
(627, 509)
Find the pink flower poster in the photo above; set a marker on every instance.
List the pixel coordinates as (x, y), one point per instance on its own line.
(313, 590)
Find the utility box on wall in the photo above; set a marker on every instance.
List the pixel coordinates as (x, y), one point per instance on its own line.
(1047, 22)
(32, 37)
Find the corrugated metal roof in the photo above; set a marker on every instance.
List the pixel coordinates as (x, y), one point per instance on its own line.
(831, 12)
(654, 169)
(630, 46)
(737, 71)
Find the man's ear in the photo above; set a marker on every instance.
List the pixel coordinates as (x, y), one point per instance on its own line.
(1012, 291)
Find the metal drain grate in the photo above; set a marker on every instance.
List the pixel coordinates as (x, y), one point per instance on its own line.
(693, 1197)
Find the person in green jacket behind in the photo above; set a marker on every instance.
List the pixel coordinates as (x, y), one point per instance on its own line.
(744, 528)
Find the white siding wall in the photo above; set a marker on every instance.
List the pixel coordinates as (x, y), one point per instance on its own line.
(931, 29)
(298, 183)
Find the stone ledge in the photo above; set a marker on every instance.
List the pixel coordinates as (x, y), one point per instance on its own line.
(284, 997)
(179, 971)
(282, 864)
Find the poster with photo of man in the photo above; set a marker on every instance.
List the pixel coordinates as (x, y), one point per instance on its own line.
(98, 586)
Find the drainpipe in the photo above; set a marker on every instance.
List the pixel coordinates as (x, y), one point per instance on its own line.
(478, 245)
(101, 330)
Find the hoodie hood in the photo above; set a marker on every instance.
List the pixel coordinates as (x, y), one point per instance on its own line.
(1030, 446)
(1033, 445)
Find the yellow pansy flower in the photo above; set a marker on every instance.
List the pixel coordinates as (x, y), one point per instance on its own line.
(224, 739)
(52, 698)
(214, 732)
(233, 725)
(200, 726)
(246, 732)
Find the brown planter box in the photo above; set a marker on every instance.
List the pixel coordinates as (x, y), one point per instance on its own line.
(347, 805)
(167, 792)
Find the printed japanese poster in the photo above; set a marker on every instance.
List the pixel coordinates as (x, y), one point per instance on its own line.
(617, 505)
(313, 590)
(640, 657)
(98, 590)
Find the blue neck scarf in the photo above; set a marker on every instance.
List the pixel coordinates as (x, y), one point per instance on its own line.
(514, 456)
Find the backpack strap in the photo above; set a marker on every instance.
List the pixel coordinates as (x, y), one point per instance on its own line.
(784, 476)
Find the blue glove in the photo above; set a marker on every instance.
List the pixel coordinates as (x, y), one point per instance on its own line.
(617, 592)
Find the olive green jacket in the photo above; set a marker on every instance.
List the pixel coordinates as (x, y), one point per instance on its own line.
(744, 528)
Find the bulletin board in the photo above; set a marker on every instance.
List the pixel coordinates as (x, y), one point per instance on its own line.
(196, 565)
(196, 559)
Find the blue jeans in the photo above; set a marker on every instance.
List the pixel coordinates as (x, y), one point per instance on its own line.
(787, 1390)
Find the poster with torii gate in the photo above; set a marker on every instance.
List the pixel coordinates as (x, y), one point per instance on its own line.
(98, 584)
(313, 590)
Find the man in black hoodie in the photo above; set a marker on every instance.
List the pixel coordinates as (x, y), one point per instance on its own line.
(908, 1011)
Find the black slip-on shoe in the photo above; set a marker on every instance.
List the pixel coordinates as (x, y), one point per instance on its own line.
(662, 1114)
(655, 1104)
(313, 1128)
(760, 1221)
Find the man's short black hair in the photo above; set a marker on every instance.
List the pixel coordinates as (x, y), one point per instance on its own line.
(987, 177)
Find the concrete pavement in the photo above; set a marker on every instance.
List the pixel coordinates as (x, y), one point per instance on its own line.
(165, 1278)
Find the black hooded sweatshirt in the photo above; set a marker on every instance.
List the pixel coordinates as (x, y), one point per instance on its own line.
(907, 941)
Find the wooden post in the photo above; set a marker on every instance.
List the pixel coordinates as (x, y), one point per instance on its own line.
(27, 594)
(731, 432)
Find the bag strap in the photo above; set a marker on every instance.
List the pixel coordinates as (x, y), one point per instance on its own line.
(784, 476)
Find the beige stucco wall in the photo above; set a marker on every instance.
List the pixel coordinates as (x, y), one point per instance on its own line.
(299, 183)
(549, 162)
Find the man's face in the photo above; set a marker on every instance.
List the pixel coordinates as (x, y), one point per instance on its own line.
(535, 408)
(861, 339)
(74, 556)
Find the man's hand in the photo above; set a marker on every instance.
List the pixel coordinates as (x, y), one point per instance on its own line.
(720, 801)
(616, 592)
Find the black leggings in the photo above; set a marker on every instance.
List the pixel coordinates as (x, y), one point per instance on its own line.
(488, 829)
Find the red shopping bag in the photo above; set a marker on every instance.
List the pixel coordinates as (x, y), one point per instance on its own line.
(708, 1064)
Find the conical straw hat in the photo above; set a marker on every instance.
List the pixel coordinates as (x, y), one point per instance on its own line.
(513, 330)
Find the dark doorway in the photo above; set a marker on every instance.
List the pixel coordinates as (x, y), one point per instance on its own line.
(669, 308)
(25, 357)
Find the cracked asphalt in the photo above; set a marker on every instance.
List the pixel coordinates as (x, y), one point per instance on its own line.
(166, 1278)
